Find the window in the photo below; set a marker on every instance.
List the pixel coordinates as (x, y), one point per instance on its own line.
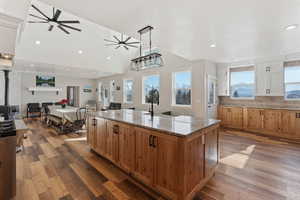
(182, 82)
(292, 82)
(100, 92)
(212, 91)
(112, 91)
(242, 82)
(128, 91)
(150, 83)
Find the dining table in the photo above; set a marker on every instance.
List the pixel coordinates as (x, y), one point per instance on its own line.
(66, 115)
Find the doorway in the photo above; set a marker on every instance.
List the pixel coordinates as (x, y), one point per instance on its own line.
(73, 95)
(212, 97)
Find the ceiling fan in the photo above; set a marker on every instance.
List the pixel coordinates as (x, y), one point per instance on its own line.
(53, 21)
(121, 42)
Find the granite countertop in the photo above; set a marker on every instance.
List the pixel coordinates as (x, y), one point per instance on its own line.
(179, 126)
(262, 107)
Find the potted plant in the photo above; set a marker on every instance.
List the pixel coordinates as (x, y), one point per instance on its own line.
(64, 103)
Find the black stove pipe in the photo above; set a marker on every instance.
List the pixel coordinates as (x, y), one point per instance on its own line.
(6, 87)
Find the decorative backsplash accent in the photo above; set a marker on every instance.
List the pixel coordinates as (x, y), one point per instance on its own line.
(270, 102)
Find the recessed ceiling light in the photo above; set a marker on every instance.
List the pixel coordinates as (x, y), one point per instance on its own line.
(31, 65)
(291, 27)
(213, 45)
(80, 51)
(108, 58)
(37, 42)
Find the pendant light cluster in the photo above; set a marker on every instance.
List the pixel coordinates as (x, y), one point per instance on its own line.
(151, 59)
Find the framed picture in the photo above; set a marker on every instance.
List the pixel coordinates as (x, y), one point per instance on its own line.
(88, 89)
(45, 81)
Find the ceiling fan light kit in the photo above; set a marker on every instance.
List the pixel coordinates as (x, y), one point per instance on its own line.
(53, 21)
(149, 60)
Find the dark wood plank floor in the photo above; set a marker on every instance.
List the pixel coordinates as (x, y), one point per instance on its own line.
(62, 167)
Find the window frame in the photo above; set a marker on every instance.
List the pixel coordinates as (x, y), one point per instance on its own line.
(124, 91)
(254, 84)
(290, 83)
(143, 89)
(174, 89)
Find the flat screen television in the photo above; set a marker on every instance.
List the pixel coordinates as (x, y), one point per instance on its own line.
(45, 81)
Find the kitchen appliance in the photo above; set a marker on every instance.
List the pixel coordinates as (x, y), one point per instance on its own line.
(7, 147)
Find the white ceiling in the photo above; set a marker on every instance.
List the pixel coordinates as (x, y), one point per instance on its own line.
(58, 52)
(241, 29)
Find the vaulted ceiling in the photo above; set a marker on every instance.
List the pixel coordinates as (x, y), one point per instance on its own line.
(57, 52)
(239, 30)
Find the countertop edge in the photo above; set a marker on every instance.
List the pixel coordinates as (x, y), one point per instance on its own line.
(160, 130)
(257, 107)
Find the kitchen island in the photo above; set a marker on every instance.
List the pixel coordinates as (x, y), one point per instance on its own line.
(173, 156)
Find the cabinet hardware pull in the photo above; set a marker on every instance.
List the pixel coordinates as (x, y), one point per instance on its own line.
(154, 141)
(116, 129)
(150, 140)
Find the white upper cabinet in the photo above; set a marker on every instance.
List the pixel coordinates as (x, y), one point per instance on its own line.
(270, 79)
(223, 80)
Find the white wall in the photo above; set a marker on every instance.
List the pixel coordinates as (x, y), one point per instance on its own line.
(28, 80)
(20, 82)
(172, 64)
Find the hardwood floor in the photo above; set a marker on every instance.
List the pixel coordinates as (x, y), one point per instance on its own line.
(62, 167)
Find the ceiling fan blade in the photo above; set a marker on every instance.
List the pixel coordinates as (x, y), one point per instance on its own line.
(133, 43)
(70, 27)
(131, 46)
(69, 22)
(126, 47)
(33, 22)
(63, 29)
(127, 39)
(111, 41)
(40, 11)
(38, 17)
(117, 38)
(118, 47)
(111, 44)
(56, 15)
(50, 28)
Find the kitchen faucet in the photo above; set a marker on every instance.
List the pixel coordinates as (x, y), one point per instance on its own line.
(153, 92)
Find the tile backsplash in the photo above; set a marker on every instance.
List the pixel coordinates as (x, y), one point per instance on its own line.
(272, 102)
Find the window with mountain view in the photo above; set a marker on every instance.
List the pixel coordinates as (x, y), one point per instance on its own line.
(292, 82)
(182, 84)
(128, 91)
(151, 83)
(242, 82)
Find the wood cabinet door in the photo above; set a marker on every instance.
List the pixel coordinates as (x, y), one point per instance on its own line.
(91, 133)
(101, 135)
(271, 121)
(127, 147)
(166, 164)
(211, 150)
(254, 119)
(236, 117)
(290, 124)
(227, 116)
(144, 157)
(112, 141)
